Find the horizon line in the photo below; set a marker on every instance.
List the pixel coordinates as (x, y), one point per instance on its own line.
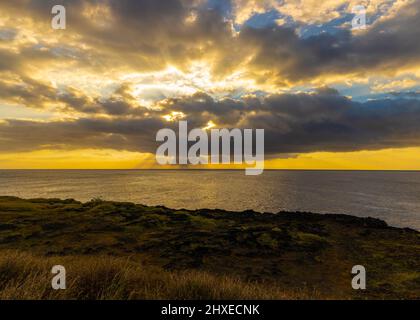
(200, 169)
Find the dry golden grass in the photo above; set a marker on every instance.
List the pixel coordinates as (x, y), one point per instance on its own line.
(25, 276)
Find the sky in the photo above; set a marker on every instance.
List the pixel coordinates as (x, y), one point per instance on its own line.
(95, 94)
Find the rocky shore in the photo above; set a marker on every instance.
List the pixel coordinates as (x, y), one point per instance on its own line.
(291, 250)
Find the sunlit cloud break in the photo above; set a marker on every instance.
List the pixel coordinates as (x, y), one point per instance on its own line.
(101, 78)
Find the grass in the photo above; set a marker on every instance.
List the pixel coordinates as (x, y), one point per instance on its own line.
(157, 252)
(25, 276)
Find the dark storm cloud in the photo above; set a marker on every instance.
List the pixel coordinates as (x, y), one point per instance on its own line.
(306, 123)
(201, 107)
(322, 121)
(293, 123)
(122, 134)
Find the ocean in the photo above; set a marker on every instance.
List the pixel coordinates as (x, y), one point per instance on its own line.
(393, 196)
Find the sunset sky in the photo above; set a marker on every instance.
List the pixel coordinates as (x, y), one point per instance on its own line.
(95, 94)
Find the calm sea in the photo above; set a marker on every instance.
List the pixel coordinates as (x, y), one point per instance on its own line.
(391, 196)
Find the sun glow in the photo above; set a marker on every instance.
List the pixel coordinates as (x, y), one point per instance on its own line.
(174, 116)
(210, 125)
(173, 82)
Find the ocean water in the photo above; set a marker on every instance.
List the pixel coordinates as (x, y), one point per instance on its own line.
(391, 196)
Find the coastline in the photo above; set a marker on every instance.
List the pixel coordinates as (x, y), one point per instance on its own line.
(307, 253)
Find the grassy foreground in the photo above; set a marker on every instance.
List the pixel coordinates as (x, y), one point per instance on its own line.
(24, 276)
(114, 250)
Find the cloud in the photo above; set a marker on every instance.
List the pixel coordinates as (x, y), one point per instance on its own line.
(32, 93)
(145, 55)
(330, 122)
(279, 55)
(147, 35)
(309, 11)
(26, 91)
(294, 123)
(143, 34)
(124, 134)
